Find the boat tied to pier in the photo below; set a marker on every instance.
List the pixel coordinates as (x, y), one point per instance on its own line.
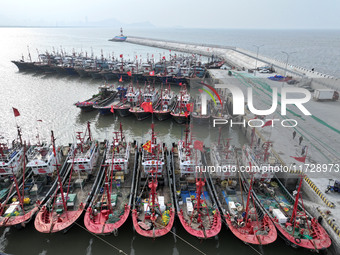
(112, 199)
(196, 206)
(153, 212)
(75, 188)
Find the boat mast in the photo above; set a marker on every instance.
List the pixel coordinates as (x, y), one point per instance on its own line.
(294, 213)
(17, 188)
(248, 200)
(58, 175)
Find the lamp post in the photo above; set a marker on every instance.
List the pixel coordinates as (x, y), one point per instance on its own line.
(288, 55)
(257, 56)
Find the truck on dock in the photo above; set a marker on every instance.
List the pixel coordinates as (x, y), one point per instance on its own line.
(325, 94)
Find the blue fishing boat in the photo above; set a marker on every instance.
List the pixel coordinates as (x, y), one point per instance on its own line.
(119, 38)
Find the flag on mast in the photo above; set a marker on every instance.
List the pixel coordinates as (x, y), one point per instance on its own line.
(16, 112)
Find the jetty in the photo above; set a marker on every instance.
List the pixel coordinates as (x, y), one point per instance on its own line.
(239, 58)
(319, 131)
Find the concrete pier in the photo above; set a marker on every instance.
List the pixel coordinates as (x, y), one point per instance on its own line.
(242, 59)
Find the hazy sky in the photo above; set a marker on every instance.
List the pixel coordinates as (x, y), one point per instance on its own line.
(322, 14)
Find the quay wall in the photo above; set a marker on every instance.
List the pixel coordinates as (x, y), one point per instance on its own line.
(242, 59)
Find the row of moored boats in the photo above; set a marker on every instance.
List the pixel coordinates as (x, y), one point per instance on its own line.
(116, 178)
(147, 101)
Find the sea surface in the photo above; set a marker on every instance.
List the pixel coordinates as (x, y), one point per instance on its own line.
(51, 99)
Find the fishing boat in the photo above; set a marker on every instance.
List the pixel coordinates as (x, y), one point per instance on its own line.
(295, 225)
(242, 215)
(119, 38)
(149, 96)
(195, 203)
(196, 114)
(11, 156)
(166, 105)
(111, 203)
(123, 107)
(106, 106)
(24, 66)
(67, 203)
(153, 212)
(105, 93)
(220, 112)
(38, 182)
(260, 160)
(180, 113)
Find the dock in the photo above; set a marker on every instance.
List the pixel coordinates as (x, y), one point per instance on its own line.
(241, 59)
(320, 132)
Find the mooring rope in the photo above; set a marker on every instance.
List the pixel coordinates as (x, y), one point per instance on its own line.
(111, 245)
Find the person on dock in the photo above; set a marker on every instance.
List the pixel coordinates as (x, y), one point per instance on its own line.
(300, 140)
(294, 134)
(303, 150)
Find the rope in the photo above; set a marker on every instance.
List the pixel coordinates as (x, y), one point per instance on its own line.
(109, 244)
(185, 241)
(254, 249)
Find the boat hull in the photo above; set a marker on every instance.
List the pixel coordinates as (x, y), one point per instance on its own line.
(248, 236)
(162, 115)
(44, 224)
(18, 220)
(98, 226)
(153, 233)
(200, 119)
(123, 111)
(213, 231)
(141, 115)
(180, 118)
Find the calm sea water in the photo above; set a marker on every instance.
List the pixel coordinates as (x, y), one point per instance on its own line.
(51, 99)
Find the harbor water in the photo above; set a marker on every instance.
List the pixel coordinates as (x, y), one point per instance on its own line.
(51, 98)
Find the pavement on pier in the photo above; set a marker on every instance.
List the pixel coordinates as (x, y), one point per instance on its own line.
(240, 58)
(320, 132)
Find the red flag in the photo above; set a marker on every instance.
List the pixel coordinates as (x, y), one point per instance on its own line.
(16, 112)
(300, 159)
(268, 123)
(136, 56)
(198, 145)
(121, 79)
(180, 84)
(121, 55)
(129, 73)
(152, 55)
(189, 107)
(152, 73)
(147, 107)
(186, 114)
(112, 109)
(169, 50)
(164, 57)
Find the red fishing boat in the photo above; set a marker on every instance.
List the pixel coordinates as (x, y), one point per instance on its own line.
(153, 211)
(295, 225)
(181, 113)
(68, 202)
(247, 221)
(148, 99)
(166, 105)
(195, 203)
(37, 184)
(111, 203)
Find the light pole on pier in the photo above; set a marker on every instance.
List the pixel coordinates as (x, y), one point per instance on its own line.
(257, 56)
(288, 55)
